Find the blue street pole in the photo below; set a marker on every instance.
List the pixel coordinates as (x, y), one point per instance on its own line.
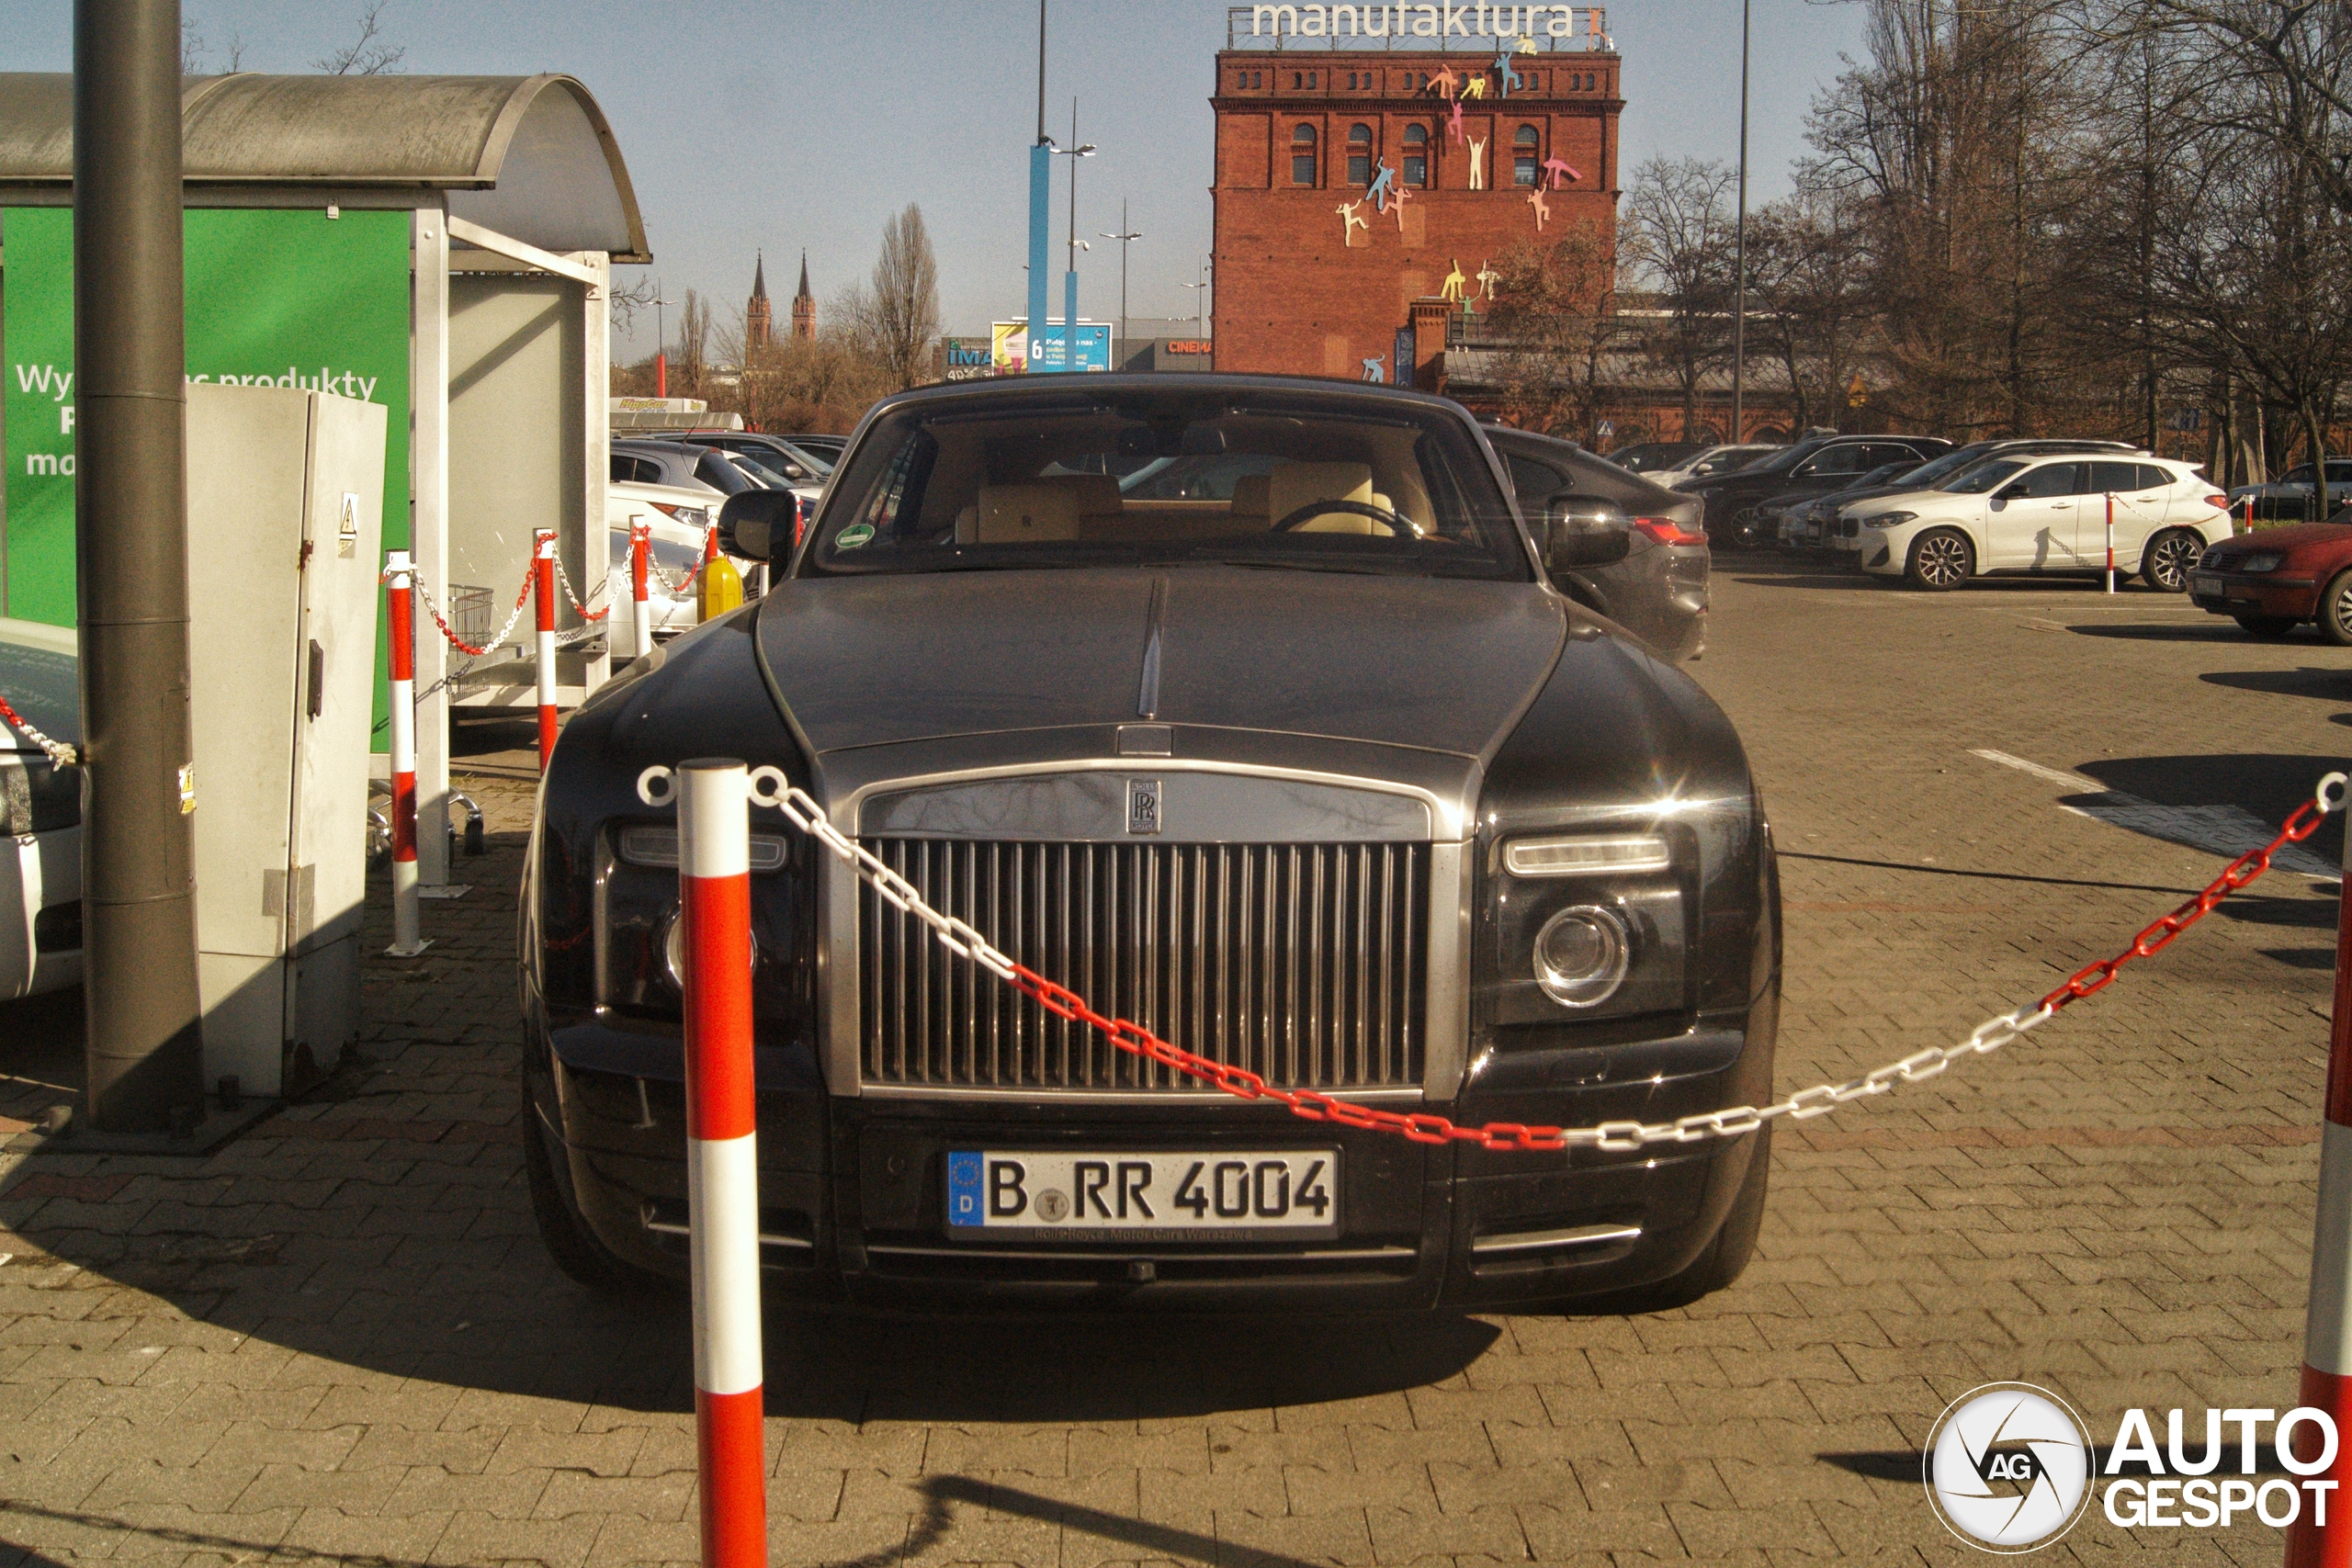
(1041, 196)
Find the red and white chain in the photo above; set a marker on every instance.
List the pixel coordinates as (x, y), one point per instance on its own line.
(460, 644)
(656, 786)
(592, 617)
(60, 754)
(702, 558)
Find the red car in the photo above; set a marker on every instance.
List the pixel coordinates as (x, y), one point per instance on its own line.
(2275, 579)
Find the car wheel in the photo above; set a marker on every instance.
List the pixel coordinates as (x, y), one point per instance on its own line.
(2336, 610)
(2264, 626)
(2164, 566)
(578, 1253)
(1725, 1257)
(1940, 561)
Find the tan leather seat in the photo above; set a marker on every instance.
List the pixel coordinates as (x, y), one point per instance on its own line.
(1041, 511)
(1249, 498)
(1294, 485)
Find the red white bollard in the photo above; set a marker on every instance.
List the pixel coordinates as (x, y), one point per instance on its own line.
(2328, 1329)
(2110, 542)
(722, 1172)
(640, 545)
(543, 583)
(400, 594)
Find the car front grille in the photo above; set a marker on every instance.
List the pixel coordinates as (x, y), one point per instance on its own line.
(1305, 963)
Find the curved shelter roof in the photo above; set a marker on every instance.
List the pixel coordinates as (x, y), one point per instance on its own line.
(531, 157)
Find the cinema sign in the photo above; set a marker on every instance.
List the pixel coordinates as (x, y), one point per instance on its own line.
(1505, 24)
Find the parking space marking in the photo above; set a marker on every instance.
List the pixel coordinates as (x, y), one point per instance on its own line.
(2224, 830)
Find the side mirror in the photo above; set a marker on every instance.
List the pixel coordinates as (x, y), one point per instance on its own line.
(1583, 531)
(759, 525)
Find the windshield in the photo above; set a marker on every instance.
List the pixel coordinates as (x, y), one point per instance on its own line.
(1985, 476)
(763, 467)
(1929, 475)
(1250, 478)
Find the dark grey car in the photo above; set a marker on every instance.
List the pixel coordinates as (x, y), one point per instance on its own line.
(1659, 590)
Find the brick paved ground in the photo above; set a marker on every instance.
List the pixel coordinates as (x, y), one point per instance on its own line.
(338, 1337)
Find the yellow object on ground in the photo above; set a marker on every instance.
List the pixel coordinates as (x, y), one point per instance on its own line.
(722, 589)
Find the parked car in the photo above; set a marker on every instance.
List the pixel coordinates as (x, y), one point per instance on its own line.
(1810, 468)
(827, 447)
(1842, 530)
(1794, 521)
(2274, 580)
(678, 463)
(1659, 590)
(1708, 462)
(2293, 493)
(796, 463)
(1649, 456)
(1323, 779)
(680, 521)
(41, 813)
(2046, 514)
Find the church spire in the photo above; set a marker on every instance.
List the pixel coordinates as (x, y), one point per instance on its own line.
(804, 305)
(760, 276)
(758, 315)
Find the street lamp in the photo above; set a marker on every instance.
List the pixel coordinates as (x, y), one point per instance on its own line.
(1076, 150)
(1125, 236)
(1739, 251)
(1200, 293)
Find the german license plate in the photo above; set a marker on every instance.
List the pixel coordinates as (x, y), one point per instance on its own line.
(2204, 583)
(1127, 1196)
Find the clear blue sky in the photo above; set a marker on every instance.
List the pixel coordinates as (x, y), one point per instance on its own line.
(807, 122)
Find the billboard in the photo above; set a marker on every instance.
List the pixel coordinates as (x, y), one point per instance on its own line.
(1092, 347)
(284, 298)
(966, 359)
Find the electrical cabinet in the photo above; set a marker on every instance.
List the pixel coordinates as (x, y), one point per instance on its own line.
(285, 494)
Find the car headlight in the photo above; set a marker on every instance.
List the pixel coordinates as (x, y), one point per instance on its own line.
(2265, 560)
(1585, 855)
(1582, 954)
(1890, 520)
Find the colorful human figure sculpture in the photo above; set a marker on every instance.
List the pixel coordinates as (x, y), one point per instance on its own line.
(1488, 278)
(1474, 88)
(1383, 177)
(1448, 82)
(1477, 164)
(1504, 74)
(1453, 286)
(1558, 172)
(1350, 221)
(1404, 195)
(1542, 209)
(1453, 121)
(1374, 369)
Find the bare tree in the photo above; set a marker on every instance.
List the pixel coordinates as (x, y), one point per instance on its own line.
(1677, 240)
(693, 364)
(369, 54)
(628, 301)
(196, 54)
(899, 311)
(1556, 309)
(1808, 297)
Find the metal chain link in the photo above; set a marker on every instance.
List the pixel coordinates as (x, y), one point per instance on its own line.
(803, 811)
(460, 644)
(574, 595)
(60, 754)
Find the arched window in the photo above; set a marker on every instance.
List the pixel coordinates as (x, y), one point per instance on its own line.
(1526, 155)
(1359, 155)
(1417, 154)
(1302, 155)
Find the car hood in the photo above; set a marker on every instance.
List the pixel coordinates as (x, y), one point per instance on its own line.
(2324, 536)
(1445, 665)
(1895, 499)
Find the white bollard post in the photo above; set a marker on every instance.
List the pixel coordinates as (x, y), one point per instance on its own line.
(400, 594)
(2110, 542)
(641, 545)
(543, 582)
(722, 1168)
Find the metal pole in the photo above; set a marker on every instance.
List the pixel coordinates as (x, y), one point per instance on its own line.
(1069, 278)
(1125, 236)
(145, 1053)
(1739, 251)
(1041, 198)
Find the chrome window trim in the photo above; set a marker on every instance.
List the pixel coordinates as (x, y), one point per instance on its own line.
(1447, 1020)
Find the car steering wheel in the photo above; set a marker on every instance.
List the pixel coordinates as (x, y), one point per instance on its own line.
(1314, 509)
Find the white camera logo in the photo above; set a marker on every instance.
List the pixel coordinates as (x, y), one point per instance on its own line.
(2008, 1467)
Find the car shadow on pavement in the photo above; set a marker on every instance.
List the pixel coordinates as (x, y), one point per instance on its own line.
(2329, 685)
(2267, 786)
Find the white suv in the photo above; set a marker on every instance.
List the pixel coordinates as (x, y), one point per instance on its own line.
(2044, 513)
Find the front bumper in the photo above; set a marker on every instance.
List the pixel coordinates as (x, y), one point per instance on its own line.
(852, 1202)
(2268, 594)
(1880, 552)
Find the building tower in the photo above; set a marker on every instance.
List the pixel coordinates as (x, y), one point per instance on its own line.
(757, 315)
(804, 305)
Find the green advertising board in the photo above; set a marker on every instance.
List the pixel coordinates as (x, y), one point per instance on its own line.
(288, 298)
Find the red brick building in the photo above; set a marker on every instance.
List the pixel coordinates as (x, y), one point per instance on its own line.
(1360, 193)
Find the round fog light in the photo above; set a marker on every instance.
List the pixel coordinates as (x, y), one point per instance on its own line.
(1581, 955)
(673, 948)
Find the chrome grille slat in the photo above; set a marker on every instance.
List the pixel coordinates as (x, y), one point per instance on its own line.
(1304, 963)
